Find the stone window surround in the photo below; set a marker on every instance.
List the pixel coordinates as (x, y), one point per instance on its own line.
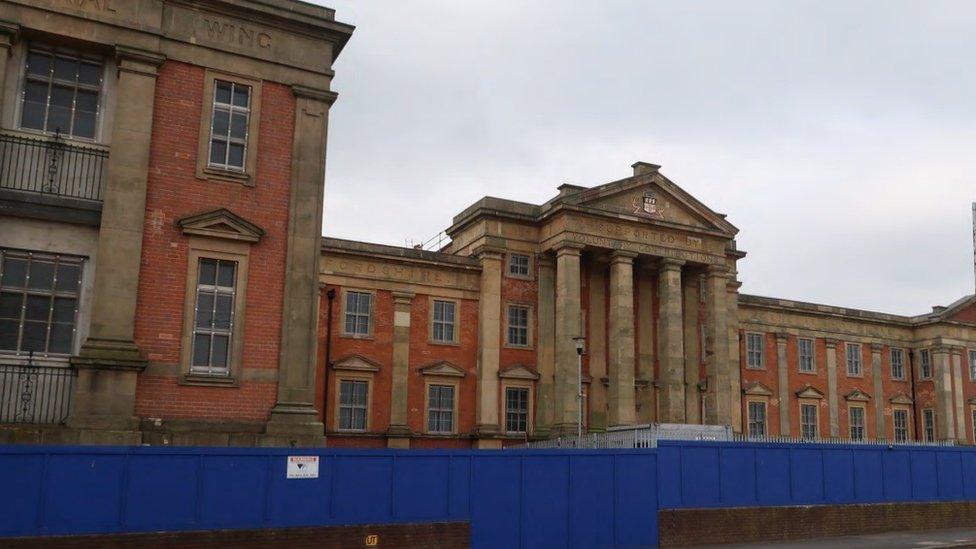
(456, 341)
(927, 413)
(203, 169)
(813, 355)
(921, 371)
(891, 362)
(13, 83)
(343, 375)
(762, 350)
(343, 293)
(847, 359)
(529, 422)
(864, 419)
(908, 420)
(443, 381)
(756, 399)
(530, 332)
(971, 354)
(508, 265)
(815, 403)
(200, 247)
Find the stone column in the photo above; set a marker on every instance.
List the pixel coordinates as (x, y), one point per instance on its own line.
(670, 342)
(783, 381)
(109, 360)
(957, 369)
(832, 400)
(691, 297)
(596, 343)
(645, 343)
(718, 395)
(881, 427)
(568, 326)
(622, 407)
(546, 311)
(398, 434)
(735, 372)
(9, 33)
(489, 345)
(294, 413)
(945, 423)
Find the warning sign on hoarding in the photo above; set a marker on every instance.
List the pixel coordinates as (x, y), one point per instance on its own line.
(303, 467)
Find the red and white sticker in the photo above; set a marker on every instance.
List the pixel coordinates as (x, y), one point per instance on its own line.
(303, 467)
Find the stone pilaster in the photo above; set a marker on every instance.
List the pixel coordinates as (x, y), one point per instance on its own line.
(9, 32)
(832, 398)
(783, 381)
(545, 405)
(718, 394)
(945, 423)
(622, 407)
(596, 343)
(670, 342)
(109, 360)
(645, 344)
(691, 298)
(568, 326)
(489, 345)
(735, 373)
(881, 426)
(294, 413)
(959, 408)
(398, 434)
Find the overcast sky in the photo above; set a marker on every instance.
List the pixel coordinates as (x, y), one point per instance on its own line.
(840, 137)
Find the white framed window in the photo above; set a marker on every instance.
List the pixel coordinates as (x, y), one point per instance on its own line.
(900, 422)
(518, 326)
(440, 408)
(353, 404)
(444, 321)
(925, 364)
(516, 409)
(229, 125)
(62, 90)
(972, 365)
(854, 359)
(928, 424)
(519, 265)
(755, 344)
(897, 363)
(809, 428)
(757, 418)
(855, 416)
(359, 306)
(213, 316)
(805, 354)
(39, 295)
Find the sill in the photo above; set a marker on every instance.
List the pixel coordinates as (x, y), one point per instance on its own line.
(860, 376)
(354, 432)
(519, 277)
(442, 435)
(444, 343)
(229, 176)
(801, 372)
(367, 337)
(519, 347)
(759, 368)
(208, 380)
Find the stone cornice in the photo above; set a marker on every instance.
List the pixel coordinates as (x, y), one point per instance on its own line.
(336, 246)
(326, 96)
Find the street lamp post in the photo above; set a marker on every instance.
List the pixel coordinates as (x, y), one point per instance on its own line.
(579, 386)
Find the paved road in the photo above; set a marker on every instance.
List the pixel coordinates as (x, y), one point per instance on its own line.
(934, 539)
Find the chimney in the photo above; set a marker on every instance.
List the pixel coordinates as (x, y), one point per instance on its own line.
(644, 168)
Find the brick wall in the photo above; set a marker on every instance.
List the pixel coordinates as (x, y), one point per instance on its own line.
(175, 192)
(681, 527)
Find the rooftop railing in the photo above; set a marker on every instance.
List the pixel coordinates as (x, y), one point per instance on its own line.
(52, 166)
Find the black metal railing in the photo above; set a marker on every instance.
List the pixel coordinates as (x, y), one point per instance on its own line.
(52, 166)
(35, 394)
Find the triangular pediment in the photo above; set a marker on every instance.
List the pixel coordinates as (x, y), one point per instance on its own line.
(357, 363)
(442, 368)
(900, 398)
(517, 371)
(756, 389)
(221, 223)
(655, 199)
(857, 395)
(809, 392)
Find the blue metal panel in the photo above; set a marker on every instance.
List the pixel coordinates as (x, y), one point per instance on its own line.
(460, 487)
(950, 475)
(838, 468)
(925, 485)
(969, 474)
(545, 501)
(299, 502)
(362, 489)
(773, 468)
(232, 490)
(700, 476)
(21, 477)
(897, 475)
(421, 488)
(868, 478)
(161, 492)
(495, 512)
(738, 475)
(635, 500)
(806, 471)
(83, 493)
(669, 475)
(591, 502)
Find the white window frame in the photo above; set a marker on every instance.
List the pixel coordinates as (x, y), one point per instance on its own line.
(857, 430)
(811, 358)
(900, 363)
(527, 412)
(928, 424)
(212, 331)
(804, 425)
(755, 357)
(443, 323)
(925, 364)
(905, 429)
(519, 328)
(358, 315)
(436, 413)
(98, 89)
(852, 352)
(516, 264)
(752, 421)
(231, 110)
(972, 364)
(353, 407)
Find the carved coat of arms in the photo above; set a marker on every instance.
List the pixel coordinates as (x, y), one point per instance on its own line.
(646, 205)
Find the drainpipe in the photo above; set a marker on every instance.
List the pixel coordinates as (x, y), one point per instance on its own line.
(330, 296)
(911, 373)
